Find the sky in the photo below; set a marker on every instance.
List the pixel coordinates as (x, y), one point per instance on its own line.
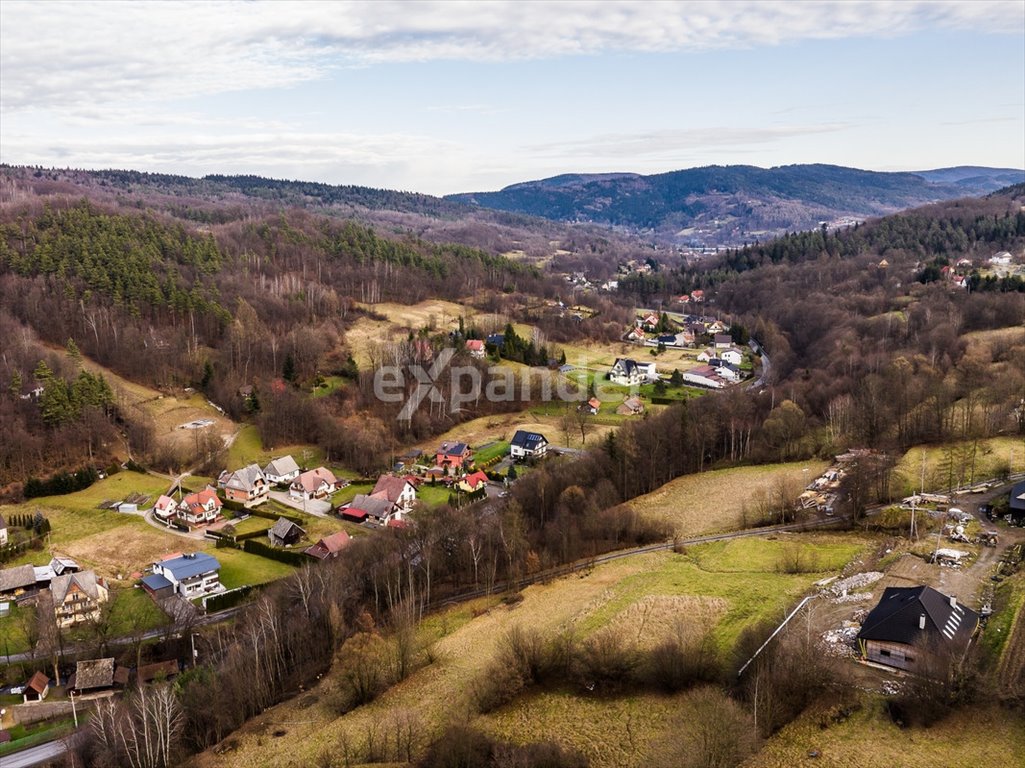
(443, 97)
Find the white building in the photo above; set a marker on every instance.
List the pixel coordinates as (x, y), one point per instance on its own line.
(190, 575)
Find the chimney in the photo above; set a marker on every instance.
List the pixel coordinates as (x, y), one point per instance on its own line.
(953, 602)
(921, 621)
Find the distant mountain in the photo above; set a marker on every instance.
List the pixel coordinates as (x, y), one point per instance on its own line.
(734, 204)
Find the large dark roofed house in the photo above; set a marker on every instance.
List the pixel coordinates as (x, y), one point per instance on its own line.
(1017, 506)
(526, 444)
(910, 620)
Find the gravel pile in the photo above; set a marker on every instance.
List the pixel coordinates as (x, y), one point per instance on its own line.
(855, 582)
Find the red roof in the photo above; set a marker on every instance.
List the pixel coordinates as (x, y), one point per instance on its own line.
(475, 479)
(475, 345)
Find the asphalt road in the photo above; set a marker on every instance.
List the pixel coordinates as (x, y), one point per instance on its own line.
(37, 755)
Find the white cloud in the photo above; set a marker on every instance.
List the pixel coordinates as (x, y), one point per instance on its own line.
(630, 145)
(76, 54)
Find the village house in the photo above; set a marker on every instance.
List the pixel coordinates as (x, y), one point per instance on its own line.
(17, 581)
(200, 508)
(704, 376)
(910, 622)
(3, 532)
(591, 406)
(697, 296)
(733, 356)
(632, 406)
(635, 334)
(398, 490)
(246, 486)
(452, 456)
(190, 575)
(528, 445)
(473, 482)
(705, 355)
(1016, 503)
(476, 348)
(313, 484)
(650, 320)
(626, 372)
(281, 471)
(722, 341)
(165, 508)
(76, 598)
(728, 372)
(285, 533)
(364, 508)
(36, 688)
(329, 547)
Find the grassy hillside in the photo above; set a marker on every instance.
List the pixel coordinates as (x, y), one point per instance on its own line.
(724, 499)
(726, 586)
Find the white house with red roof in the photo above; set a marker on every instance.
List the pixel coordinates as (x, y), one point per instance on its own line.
(475, 347)
(398, 490)
(200, 508)
(165, 508)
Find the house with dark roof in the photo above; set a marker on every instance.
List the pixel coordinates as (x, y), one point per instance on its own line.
(77, 597)
(626, 372)
(248, 486)
(285, 533)
(36, 688)
(329, 546)
(190, 575)
(281, 470)
(453, 455)
(528, 445)
(909, 622)
(1016, 506)
(722, 341)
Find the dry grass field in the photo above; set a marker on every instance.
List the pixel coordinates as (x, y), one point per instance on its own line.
(716, 501)
(982, 736)
(503, 426)
(646, 590)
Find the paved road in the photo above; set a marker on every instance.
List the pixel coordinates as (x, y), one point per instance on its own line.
(37, 755)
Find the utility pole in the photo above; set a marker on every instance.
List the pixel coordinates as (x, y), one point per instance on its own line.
(74, 710)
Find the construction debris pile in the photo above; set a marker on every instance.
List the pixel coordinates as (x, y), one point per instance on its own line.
(845, 590)
(840, 643)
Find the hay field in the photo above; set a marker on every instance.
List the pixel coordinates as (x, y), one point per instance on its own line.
(649, 589)
(502, 426)
(980, 736)
(716, 501)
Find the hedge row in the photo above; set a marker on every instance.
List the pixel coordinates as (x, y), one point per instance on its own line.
(257, 512)
(281, 555)
(228, 599)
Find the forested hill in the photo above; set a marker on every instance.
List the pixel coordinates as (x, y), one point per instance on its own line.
(734, 204)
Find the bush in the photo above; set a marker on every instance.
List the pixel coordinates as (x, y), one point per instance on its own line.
(254, 547)
(607, 663)
(228, 599)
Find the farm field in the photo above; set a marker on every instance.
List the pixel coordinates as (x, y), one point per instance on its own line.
(502, 426)
(722, 499)
(982, 735)
(654, 587)
(972, 461)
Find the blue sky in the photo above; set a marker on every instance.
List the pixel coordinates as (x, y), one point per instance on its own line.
(443, 97)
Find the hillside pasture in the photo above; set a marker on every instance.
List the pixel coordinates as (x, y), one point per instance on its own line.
(644, 594)
(723, 499)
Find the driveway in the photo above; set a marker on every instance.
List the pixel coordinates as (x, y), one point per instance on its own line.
(315, 507)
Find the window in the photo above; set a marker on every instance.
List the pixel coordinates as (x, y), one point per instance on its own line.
(884, 653)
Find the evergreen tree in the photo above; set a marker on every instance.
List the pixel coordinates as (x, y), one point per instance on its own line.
(288, 371)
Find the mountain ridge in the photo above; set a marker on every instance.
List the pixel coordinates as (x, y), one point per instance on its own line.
(721, 205)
